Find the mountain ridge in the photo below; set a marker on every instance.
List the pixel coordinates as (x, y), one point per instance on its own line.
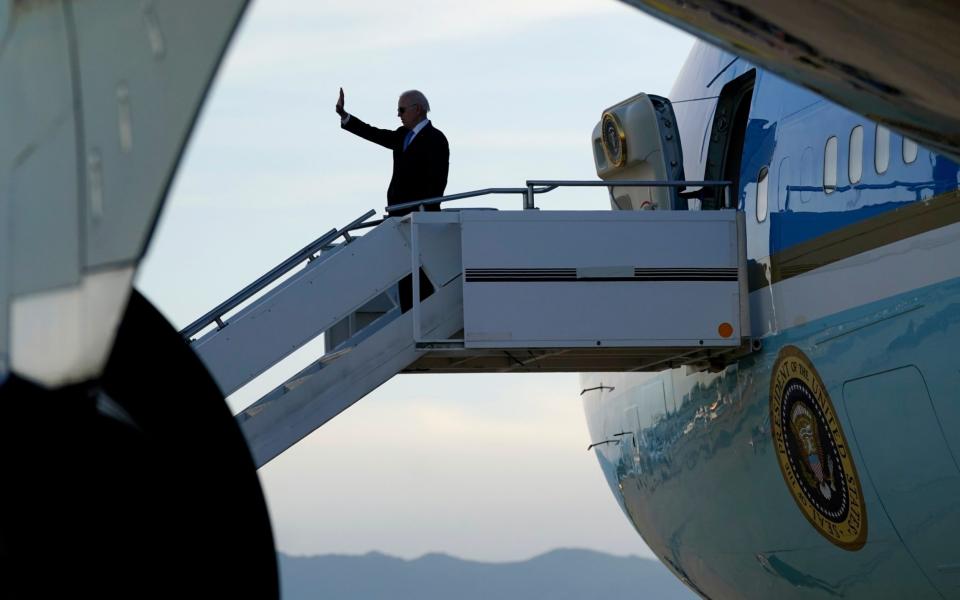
(561, 574)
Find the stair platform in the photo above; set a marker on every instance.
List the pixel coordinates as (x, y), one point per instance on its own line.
(512, 291)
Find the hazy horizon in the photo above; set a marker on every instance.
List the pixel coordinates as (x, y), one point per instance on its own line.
(441, 553)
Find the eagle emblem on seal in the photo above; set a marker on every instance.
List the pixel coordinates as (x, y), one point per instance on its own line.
(812, 451)
(614, 140)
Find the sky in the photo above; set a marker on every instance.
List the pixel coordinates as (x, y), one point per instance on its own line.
(485, 467)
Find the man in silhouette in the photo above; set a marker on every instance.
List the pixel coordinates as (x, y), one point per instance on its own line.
(421, 155)
(421, 160)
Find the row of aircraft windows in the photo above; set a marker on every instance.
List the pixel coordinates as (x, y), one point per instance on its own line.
(881, 156)
(881, 162)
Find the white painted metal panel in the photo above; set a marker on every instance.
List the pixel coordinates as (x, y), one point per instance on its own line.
(322, 391)
(305, 306)
(599, 238)
(38, 165)
(438, 237)
(144, 68)
(97, 101)
(579, 279)
(599, 314)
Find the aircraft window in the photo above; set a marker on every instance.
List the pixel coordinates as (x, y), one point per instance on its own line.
(763, 181)
(881, 152)
(830, 165)
(909, 151)
(855, 162)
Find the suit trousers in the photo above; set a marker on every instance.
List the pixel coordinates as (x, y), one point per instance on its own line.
(405, 290)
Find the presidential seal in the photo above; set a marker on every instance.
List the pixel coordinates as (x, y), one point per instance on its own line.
(812, 452)
(614, 140)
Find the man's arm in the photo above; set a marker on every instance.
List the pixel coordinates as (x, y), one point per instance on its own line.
(385, 137)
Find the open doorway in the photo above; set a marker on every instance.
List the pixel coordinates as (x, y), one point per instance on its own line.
(726, 139)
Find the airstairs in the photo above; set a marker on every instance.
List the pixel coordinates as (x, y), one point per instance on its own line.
(510, 291)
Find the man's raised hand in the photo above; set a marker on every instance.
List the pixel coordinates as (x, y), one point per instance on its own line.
(340, 110)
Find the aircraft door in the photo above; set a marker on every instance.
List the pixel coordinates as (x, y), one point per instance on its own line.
(727, 136)
(910, 464)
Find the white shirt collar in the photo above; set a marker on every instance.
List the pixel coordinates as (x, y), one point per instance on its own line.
(419, 126)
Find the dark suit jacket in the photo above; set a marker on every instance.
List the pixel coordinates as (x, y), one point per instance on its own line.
(418, 173)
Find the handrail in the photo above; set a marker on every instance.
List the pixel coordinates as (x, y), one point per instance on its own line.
(534, 187)
(550, 185)
(460, 196)
(216, 314)
(630, 182)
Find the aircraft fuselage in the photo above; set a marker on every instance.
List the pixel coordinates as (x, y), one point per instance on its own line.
(824, 464)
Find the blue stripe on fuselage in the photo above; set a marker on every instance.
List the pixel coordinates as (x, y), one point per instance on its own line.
(787, 133)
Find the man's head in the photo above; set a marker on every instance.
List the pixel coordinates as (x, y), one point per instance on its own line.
(412, 107)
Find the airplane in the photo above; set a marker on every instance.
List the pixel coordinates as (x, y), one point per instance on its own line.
(824, 464)
(821, 463)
